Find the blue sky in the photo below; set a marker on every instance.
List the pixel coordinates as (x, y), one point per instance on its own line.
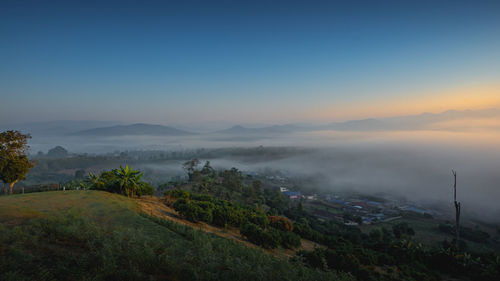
(243, 62)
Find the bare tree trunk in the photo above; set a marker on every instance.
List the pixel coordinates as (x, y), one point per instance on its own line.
(457, 210)
(11, 186)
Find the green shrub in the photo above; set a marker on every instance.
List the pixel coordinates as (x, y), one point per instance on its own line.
(258, 217)
(258, 236)
(201, 197)
(289, 239)
(281, 223)
(220, 216)
(177, 193)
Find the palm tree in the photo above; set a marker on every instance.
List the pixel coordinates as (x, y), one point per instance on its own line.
(128, 179)
(93, 181)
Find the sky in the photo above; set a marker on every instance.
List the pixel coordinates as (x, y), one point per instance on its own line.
(273, 62)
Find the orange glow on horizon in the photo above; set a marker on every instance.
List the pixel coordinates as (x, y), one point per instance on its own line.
(459, 99)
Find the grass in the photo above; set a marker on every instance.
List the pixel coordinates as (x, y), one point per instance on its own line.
(94, 235)
(106, 209)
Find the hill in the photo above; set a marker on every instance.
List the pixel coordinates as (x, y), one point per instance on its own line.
(133, 130)
(447, 120)
(92, 235)
(57, 128)
(275, 129)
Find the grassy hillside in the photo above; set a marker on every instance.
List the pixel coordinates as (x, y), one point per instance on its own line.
(92, 235)
(106, 209)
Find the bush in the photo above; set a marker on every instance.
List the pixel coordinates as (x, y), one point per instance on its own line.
(180, 205)
(194, 211)
(236, 216)
(258, 217)
(289, 239)
(145, 188)
(201, 197)
(123, 181)
(281, 223)
(258, 236)
(303, 229)
(177, 193)
(220, 216)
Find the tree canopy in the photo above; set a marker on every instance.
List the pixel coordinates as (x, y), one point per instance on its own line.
(57, 152)
(14, 162)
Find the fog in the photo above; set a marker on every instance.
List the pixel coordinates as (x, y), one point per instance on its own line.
(414, 164)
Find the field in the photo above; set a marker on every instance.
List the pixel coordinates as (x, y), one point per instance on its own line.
(108, 210)
(93, 235)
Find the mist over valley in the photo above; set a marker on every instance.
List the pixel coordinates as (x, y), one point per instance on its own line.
(253, 140)
(412, 164)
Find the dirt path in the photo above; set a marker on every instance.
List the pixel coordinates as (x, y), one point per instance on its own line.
(154, 206)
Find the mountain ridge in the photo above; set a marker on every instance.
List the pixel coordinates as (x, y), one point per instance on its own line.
(134, 130)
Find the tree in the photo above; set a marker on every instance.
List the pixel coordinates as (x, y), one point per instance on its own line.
(57, 152)
(257, 187)
(207, 170)
(190, 166)
(123, 181)
(14, 163)
(232, 179)
(457, 209)
(128, 179)
(281, 223)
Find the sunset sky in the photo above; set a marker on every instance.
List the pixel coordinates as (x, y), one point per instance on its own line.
(172, 62)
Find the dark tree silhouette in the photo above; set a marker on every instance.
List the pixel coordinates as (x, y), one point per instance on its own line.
(191, 166)
(457, 209)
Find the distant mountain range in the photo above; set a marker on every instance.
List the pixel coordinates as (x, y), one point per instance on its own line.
(134, 129)
(424, 121)
(448, 120)
(57, 128)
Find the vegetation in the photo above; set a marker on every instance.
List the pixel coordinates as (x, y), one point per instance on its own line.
(382, 254)
(385, 254)
(123, 181)
(92, 235)
(160, 249)
(467, 233)
(260, 229)
(14, 163)
(52, 169)
(57, 152)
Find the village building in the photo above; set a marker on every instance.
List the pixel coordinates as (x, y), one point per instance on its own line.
(283, 189)
(292, 194)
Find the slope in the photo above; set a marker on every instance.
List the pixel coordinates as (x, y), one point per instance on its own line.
(92, 235)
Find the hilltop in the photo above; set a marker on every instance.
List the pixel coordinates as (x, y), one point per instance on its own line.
(82, 235)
